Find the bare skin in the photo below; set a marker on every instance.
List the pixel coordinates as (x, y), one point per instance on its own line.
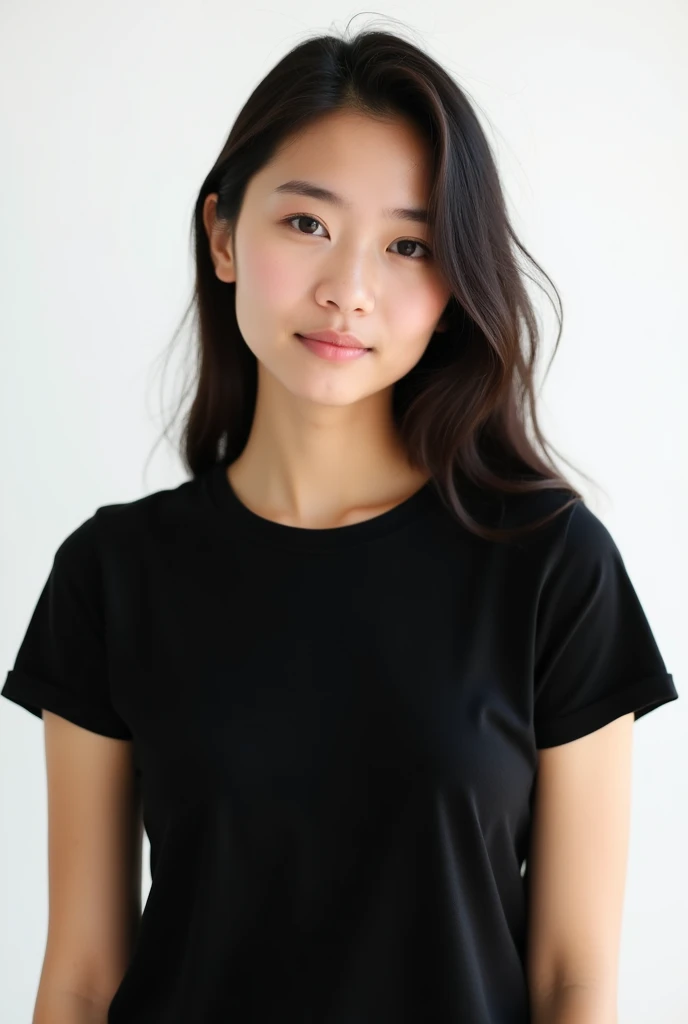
(323, 449)
(95, 835)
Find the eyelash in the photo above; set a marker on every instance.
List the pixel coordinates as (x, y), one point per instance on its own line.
(308, 216)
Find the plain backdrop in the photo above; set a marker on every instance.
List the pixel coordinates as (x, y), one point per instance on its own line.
(112, 115)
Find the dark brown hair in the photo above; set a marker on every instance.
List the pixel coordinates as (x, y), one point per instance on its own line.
(462, 411)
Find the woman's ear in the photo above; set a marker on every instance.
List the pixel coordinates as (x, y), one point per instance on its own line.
(220, 242)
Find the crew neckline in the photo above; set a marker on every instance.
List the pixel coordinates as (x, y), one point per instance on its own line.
(283, 535)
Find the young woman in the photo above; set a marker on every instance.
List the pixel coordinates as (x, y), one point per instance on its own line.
(368, 678)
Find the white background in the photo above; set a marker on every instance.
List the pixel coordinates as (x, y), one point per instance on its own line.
(112, 115)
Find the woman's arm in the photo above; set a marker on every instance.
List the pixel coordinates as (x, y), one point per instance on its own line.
(54, 1007)
(577, 1004)
(577, 867)
(95, 837)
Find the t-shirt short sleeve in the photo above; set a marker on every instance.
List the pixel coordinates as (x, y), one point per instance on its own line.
(61, 665)
(596, 657)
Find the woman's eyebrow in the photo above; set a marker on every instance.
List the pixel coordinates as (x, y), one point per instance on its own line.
(307, 188)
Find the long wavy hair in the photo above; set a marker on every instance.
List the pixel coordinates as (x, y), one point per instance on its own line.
(466, 412)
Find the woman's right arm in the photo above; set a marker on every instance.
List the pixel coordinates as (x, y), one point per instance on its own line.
(95, 834)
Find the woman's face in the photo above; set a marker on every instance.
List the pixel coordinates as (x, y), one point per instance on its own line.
(304, 264)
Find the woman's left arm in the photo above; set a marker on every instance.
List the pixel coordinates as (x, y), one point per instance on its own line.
(577, 875)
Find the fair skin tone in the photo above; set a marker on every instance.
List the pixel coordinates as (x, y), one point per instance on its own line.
(95, 835)
(578, 859)
(323, 453)
(323, 450)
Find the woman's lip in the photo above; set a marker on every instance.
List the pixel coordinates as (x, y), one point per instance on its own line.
(332, 353)
(358, 347)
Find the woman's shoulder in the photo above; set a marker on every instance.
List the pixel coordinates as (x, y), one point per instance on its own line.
(507, 509)
(119, 525)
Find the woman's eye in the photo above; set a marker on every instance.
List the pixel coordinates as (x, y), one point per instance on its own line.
(412, 241)
(303, 216)
(403, 241)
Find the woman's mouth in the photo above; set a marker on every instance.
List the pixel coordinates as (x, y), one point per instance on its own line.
(335, 353)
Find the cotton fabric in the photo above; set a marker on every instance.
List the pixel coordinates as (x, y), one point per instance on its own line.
(336, 736)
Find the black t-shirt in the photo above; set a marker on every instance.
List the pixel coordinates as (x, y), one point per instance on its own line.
(336, 734)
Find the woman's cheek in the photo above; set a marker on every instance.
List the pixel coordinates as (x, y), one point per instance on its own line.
(414, 312)
(272, 276)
